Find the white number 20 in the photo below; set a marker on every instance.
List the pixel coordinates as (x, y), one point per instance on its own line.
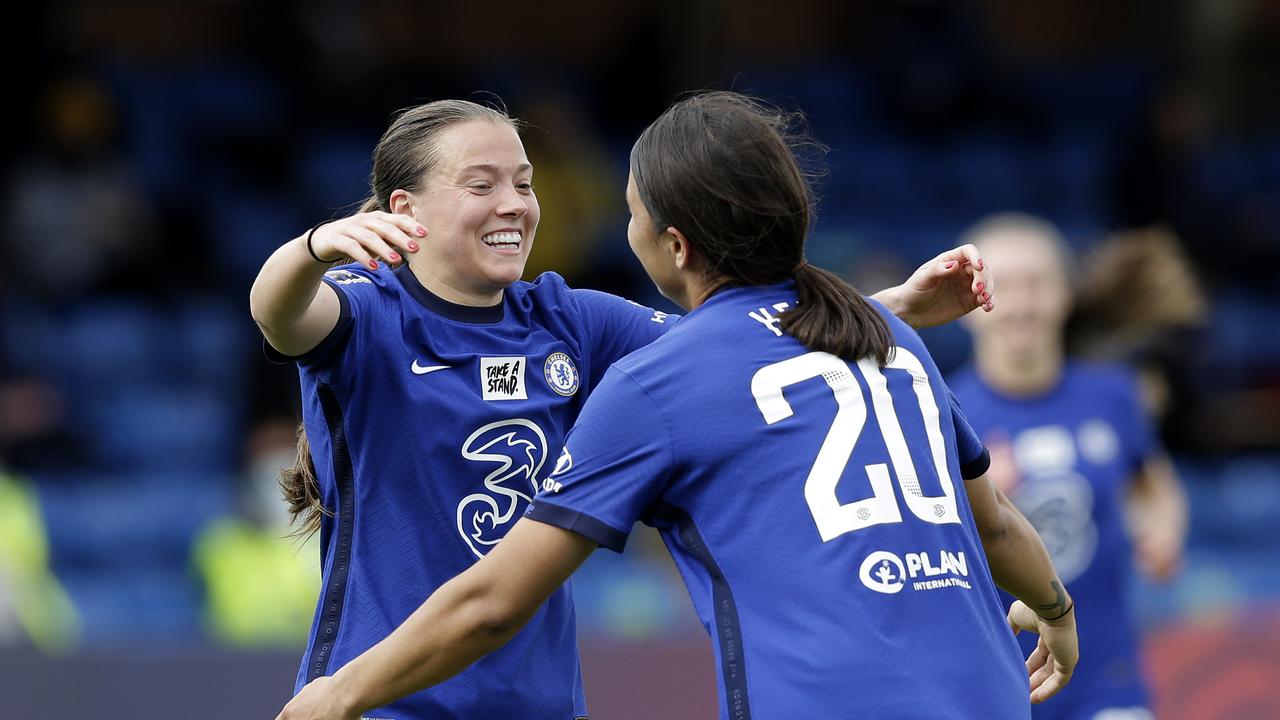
(834, 519)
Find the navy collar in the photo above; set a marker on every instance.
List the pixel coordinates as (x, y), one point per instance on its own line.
(444, 308)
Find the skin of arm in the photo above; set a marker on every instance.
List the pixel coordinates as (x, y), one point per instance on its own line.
(1158, 516)
(294, 310)
(468, 617)
(1021, 566)
(941, 290)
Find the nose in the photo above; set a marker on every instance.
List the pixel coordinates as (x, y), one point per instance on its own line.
(512, 204)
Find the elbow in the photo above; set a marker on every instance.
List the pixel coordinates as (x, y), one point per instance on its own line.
(994, 531)
(498, 619)
(262, 313)
(258, 307)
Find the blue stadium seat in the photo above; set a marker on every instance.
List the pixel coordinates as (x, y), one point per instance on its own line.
(334, 169)
(148, 427)
(121, 522)
(135, 606)
(107, 342)
(213, 341)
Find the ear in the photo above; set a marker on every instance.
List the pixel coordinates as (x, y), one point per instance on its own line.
(401, 202)
(677, 244)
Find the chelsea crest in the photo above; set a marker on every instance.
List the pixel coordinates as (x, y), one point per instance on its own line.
(562, 375)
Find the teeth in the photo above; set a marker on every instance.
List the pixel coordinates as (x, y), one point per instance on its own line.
(501, 238)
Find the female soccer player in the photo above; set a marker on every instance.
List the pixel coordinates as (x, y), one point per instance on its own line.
(1073, 447)
(797, 449)
(436, 395)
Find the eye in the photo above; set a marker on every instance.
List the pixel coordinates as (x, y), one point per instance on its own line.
(480, 187)
(526, 186)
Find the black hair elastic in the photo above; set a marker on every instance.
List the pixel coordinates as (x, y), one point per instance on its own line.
(1070, 607)
(319, 259)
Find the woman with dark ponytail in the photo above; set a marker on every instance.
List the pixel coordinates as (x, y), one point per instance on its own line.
(437, 390)
(797, 449)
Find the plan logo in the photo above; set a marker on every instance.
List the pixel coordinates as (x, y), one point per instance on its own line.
(883, 572)
(886, 573)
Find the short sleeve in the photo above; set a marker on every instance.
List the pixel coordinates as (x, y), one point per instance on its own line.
(616, 462)
(973, 455)
(351, 303)
(615, 327)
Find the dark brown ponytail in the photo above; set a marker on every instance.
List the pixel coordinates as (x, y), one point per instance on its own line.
(833, 317)
(722, 168)
(301, 490)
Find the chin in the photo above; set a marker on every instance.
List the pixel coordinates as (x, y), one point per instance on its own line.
(505, 276)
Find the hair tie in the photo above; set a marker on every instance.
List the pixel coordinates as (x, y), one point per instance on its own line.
(1070, 607)
(311, 250)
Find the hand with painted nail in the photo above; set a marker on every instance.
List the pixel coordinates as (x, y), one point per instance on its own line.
(949, 286)
(367, 237)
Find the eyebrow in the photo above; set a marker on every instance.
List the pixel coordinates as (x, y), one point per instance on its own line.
(494, 169)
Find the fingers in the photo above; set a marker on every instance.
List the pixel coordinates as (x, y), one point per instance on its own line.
(1014, 617)
(409, 230)
(369, 237)
(983, 284)
(1037, 659)
(967, 259)
(1043, 672)
(1049, 686)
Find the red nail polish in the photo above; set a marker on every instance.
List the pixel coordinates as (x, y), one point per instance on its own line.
(422, 231)
(373, 265)
(413, 247)
(950, 264)
(394, 257)
(981, 286)
(979, 263)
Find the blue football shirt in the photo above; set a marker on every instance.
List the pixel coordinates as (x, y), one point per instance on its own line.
(1076, 447)
(815, 509)
(430, 425)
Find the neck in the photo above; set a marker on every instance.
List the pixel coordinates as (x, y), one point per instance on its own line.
(1028, 373)
(447, 288)
(697, 289)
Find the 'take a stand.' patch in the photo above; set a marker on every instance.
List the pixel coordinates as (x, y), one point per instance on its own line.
(502, 378)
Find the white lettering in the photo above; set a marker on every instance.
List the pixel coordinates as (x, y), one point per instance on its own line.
(768, 319)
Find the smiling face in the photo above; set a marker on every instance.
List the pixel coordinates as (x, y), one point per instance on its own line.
(479, 207)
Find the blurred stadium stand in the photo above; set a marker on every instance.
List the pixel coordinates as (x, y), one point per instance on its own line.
(169, 148)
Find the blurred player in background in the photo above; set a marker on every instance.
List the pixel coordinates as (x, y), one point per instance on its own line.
(1073, 447)
(437, 394)
(799, 452)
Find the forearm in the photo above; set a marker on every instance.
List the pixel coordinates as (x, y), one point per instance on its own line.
(454, 628)
(892, 299)
(1021, 566)
(1159, 502)
(466, 618)
(286, 286)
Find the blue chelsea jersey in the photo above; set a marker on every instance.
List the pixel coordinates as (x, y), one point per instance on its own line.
(1073, 451)
(815, 508)
(431, 425)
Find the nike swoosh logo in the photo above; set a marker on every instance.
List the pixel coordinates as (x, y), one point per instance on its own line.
(423, 370)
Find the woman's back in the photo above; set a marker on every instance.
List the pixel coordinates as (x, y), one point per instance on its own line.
(815, 508)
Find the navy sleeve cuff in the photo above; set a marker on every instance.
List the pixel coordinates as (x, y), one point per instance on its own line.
(574, 521)
(331, 340)
(977, 466)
